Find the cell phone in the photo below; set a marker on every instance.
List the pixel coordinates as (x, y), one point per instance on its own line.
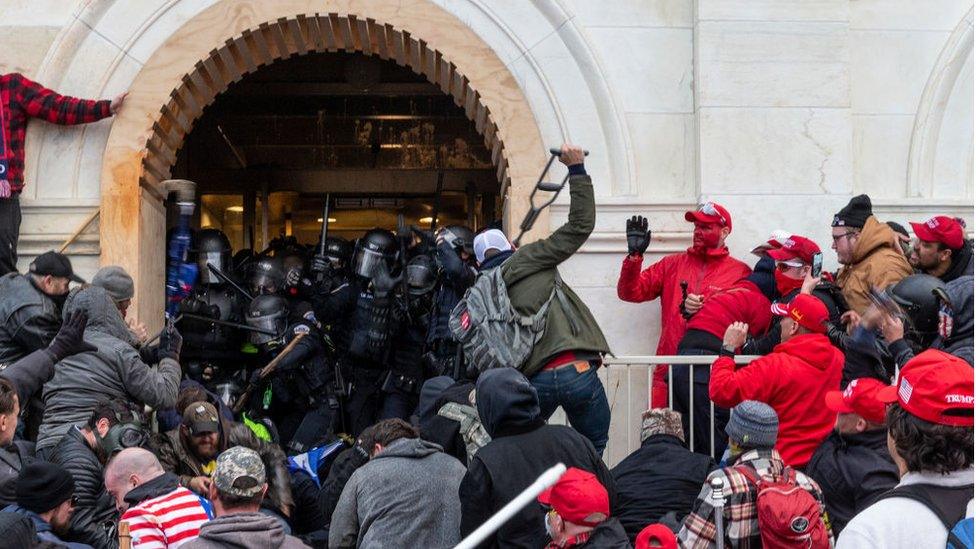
(817, 265)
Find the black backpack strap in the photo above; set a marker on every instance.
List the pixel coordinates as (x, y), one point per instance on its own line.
(948, 503)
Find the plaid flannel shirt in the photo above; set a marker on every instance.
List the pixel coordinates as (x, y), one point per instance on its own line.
(22, 99)
(740, 518)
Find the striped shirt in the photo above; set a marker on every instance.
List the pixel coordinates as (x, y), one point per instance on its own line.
(167, 521)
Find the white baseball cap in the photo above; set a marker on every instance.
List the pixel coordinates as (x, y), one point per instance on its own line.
(492, 239)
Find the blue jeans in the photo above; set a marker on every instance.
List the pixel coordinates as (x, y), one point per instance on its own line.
(582, 397)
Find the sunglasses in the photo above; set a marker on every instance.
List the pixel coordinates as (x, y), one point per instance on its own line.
(709, 208)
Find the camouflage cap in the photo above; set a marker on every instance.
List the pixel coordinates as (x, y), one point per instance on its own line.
(661, 421)
(239, 472)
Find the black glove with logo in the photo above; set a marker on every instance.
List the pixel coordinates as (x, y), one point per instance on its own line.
(638, 235)
(69, 339)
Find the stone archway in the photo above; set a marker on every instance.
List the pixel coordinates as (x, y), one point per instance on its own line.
(230, 39)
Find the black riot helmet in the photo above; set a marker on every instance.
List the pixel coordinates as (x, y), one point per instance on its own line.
(266, 275)
(338, 251)
(421, 275)
(920, 296)
(460, 238)
(268, 313)
(211, 246)
(374, 247)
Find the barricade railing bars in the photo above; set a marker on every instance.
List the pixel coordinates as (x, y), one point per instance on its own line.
(670, 361)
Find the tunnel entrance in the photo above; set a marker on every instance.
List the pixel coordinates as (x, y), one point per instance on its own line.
(382, 141)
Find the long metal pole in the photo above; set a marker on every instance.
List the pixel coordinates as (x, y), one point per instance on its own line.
(547, 479)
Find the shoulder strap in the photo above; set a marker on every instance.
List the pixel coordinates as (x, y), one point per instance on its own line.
(948, 503)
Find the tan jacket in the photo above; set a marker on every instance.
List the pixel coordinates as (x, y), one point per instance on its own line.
(877, 264)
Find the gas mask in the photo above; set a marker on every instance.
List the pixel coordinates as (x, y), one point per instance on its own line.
(121, 436)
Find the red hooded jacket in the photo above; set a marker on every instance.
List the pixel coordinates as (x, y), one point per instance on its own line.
(706, 273)
(793, 380)
(743, 302)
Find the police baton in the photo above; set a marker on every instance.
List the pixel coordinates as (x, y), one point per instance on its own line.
(267, 371)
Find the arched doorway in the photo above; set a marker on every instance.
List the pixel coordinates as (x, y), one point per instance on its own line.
(145, 138)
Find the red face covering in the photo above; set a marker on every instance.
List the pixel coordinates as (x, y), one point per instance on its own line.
(707, 236)
(785, 284)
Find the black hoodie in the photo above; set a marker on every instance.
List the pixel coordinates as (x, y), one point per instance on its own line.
(521, 449)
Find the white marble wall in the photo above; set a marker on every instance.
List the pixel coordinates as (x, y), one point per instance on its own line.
(780, 109)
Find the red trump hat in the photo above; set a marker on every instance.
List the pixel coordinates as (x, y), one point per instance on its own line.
(935, 386)
(941, 228)
(806, 310)
(578, 497)
(861, 398)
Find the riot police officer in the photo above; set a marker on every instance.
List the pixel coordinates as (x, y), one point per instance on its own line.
(369, 327)
(298, 395)
(206, 344)
(455, 254)
(266, 276)
(402, 384)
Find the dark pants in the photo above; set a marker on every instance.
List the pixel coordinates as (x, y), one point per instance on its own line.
(582, 397)
(701, 404)
(366, 400)
(398, 404)
(9, 233)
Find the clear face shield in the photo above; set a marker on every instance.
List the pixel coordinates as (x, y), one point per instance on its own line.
(366, 261)
(220, 260)
(272, 327)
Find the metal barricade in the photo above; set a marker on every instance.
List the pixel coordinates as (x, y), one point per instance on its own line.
(624, 371)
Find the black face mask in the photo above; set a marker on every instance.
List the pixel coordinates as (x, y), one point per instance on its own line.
(59, 300)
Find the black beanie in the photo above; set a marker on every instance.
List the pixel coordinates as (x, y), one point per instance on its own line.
(42, 486)
(855, 213)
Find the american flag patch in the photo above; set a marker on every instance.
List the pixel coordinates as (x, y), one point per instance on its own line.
(905, 390)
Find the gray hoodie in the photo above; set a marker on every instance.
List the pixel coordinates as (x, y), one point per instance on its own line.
(406, 496)
(113, 371)
(244, 531)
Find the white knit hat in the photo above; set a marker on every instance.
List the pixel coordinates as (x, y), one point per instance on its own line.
(492, 239)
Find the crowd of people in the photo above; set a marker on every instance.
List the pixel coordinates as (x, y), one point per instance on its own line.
(395, 391)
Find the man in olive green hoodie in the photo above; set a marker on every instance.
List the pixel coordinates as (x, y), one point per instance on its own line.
(563, 364)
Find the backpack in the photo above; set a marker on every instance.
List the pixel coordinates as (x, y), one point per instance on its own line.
(490, 331)
(948, 503)
(789, 516)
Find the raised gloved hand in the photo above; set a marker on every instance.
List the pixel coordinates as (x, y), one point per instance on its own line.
(320, 264)
(170, 343)
(638, 235)
(383, 283)
(69, 339)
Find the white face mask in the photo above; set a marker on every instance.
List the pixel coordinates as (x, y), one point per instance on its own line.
(545, 520)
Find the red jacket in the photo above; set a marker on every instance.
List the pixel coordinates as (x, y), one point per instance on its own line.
(793, 380)
(705, 273)
(743, 302)
(22, 99)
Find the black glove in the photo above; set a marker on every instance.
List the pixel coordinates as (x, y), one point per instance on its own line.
(255, 377)
(383, 283)
(293, 277)
(149, 354)
(170, 343)
(319, 264)
(638, 235)
(68, 340)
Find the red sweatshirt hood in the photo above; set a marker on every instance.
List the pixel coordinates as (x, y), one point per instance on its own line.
(814, 349)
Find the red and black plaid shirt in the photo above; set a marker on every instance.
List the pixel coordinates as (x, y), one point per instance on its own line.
(23, 98)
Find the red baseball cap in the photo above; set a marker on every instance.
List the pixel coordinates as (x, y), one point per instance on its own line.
(935, 386)
(710, 212)
(796, 247)
(861, 398)
(578, 497)
(807, 310)
(941, 228)
(658, 533)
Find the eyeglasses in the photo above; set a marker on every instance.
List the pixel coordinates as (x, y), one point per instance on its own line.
(708, 208)
(837, 237)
